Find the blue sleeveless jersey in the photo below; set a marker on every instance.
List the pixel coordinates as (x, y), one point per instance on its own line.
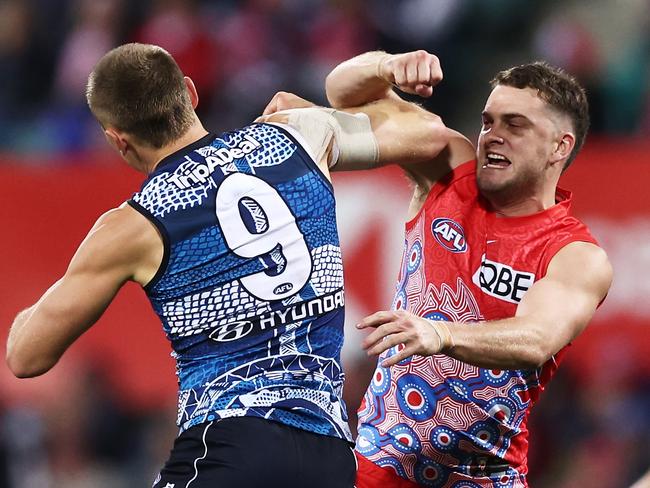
(250, 290)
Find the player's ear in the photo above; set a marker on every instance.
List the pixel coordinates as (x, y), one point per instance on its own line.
(191, 89)
(563, 149)
(116, 140)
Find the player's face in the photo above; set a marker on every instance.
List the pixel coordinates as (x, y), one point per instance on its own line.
(517, 138)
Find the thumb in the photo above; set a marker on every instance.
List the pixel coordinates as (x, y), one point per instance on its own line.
(424, 91)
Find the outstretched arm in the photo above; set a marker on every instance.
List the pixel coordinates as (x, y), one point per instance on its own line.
(551, 314)
(121, 246)
(372, 76)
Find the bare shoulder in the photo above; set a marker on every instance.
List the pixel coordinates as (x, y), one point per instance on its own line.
(582, 254)
(583, 263)
(124, 226)
(123, 239)
(460, 147)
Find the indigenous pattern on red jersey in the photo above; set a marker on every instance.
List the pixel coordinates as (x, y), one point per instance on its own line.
(435, 420)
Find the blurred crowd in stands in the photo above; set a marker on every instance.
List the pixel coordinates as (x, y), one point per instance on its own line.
(586, 433)
(240, 52)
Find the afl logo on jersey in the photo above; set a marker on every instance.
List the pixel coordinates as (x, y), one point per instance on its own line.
(283, 288)
(449, 235)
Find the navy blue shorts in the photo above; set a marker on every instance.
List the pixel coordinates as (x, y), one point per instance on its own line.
(250, 452)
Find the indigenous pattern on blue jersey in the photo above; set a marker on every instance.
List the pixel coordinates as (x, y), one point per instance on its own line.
(250, 291)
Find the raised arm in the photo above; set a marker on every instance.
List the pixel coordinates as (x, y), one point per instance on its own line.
(551, 314)
(401, 132)
(417, 140)
(406, 134)
(372, 76)
(121, 246)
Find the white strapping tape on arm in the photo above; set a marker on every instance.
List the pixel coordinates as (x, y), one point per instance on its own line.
(354, 146)
(357, 145)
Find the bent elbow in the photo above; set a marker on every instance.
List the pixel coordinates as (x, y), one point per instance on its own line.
(25, 368)
(334, 95)
(535, 357)
(532, 361)
(340, 94)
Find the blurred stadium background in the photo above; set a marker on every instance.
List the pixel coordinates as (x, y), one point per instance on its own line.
(104, 417)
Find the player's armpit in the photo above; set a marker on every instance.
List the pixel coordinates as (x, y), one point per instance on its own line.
(114, 251)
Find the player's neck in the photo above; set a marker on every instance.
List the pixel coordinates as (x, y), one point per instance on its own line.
(196, 132)
(524, 206)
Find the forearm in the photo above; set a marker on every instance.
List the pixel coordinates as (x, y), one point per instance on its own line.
(406, 134)
(551, 314)
(28, 350)
(502, 344)
(356, 81)
(40, 335)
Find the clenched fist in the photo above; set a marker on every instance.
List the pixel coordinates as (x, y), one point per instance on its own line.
(415, 72)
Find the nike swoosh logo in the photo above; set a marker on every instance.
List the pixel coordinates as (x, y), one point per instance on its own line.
(490, 242)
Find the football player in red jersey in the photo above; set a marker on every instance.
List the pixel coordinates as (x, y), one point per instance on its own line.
(476, 333)
(497, 279)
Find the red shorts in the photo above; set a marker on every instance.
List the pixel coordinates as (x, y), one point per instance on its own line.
(369, 475)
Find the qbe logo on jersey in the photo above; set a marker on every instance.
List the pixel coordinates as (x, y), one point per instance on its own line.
(501, 281)
(449, 235)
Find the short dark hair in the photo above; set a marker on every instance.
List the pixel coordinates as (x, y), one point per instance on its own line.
(139, 89)
(557, 88)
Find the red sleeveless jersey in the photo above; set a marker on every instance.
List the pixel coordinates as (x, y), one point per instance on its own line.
(436, 420)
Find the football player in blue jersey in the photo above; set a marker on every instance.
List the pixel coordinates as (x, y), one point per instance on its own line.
(233, 238)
